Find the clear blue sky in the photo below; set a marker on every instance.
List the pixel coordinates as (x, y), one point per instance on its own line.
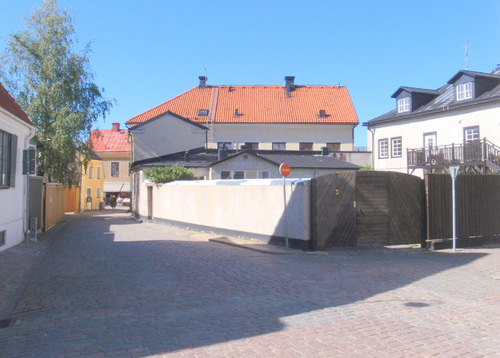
(148, 51)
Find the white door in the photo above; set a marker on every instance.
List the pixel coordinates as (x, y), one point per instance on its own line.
(430, 143)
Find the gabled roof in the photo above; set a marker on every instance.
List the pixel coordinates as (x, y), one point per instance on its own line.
(445, 99)
(297, 160)
(473, 74)
(201, 157)
(259, 104)
(110, 140)
(9, 104)
(414, 90)
(138, 126)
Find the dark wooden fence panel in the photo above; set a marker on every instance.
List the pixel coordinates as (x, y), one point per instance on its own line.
(366, 208)
(406, 200)
(477, 204)
(333, 221)
(372, 203)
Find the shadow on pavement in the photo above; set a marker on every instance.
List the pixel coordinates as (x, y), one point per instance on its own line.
(111, 286)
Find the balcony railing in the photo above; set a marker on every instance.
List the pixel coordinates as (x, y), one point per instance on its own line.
(465, 153)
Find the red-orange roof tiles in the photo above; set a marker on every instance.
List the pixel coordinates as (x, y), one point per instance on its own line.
(110, 140)
(259, 104)
(8, 103)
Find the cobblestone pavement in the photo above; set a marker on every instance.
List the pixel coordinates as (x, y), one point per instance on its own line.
(104, 285)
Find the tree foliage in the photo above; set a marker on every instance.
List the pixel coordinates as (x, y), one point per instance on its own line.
(54, 85)
(160, 175)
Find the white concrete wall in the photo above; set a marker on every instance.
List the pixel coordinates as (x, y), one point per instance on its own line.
(449, 127)
(13, 199)
(246, 206)
(165, 135)
(292, 134)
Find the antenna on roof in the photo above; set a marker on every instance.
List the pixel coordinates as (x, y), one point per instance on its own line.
(466, 54)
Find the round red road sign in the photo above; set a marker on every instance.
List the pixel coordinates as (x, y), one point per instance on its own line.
(285, 169)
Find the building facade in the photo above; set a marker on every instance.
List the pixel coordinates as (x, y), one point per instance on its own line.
(429, 130)
(16, 130)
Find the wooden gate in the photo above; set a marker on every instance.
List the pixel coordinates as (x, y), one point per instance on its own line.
(477, 203)
(366, 208)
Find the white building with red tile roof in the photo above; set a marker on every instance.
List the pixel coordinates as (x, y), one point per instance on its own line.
(289, 117)
(16, 130)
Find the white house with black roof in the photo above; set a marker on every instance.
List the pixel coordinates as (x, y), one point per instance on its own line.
(249, 164)
(429, 130)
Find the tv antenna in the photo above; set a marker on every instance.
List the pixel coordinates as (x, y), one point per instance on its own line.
(466, 55)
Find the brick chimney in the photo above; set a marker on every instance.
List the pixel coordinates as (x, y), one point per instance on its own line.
(289, 85)
(116, 127)
(203, 82)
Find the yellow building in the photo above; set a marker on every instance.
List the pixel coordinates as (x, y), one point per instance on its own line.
(92, 184)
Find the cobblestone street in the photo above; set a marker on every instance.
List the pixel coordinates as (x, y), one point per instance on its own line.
(103, 285)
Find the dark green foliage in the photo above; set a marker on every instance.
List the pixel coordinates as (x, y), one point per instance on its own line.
(160, 175)
(54, 85)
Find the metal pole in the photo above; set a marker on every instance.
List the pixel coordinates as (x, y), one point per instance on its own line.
(454, 215)
(286, 216)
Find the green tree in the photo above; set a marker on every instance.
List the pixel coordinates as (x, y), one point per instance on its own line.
(54, 85)
(160, 175)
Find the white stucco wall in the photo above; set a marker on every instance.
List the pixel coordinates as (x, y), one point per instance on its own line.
(164, 135)
(292, 134)
(448, 126)
(13, 210)
(247, 206)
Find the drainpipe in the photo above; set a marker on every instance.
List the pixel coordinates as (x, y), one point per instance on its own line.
(373, 138)
(27, 139)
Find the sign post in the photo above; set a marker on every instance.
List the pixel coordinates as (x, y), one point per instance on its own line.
(285, 171)
(454, 172)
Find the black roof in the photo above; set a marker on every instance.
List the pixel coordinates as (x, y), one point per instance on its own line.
(200, 157)
(444, 99)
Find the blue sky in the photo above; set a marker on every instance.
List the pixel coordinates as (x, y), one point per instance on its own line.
(146, 52)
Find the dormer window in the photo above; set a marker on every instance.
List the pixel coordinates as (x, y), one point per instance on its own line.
(404, 105)
(322, 114)
(464, 91)
(203, 112)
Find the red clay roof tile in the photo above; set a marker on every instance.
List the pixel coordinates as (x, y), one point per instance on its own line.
(259, 104)
(110, 140)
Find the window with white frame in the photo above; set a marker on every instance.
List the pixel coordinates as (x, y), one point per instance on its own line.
(91, 172)
(279, 146)
(226, 145)
(383, 148)
(333, 146)
(8, 151)
(115, 169)
(98, 172)
(244, 174)
(396, 147)
(89, 192)
(404, 105)
(252, 145)
(306, 146)
(98, 193)
(471, 134)
(464, 91)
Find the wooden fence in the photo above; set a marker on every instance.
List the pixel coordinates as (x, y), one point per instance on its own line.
(477, 203)
(366, 208)
(53, 204)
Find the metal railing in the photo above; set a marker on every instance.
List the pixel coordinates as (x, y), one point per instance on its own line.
(480, 150)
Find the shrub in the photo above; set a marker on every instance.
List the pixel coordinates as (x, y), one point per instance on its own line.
(160, 175)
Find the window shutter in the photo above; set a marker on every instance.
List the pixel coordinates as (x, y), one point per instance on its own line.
(13, 157)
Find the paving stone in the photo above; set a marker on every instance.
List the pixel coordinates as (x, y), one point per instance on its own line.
(104, 285)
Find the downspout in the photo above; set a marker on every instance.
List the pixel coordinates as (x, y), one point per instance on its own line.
(373, 138)
(27, 139)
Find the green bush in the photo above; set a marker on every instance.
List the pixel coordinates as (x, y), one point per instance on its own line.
(160, 175)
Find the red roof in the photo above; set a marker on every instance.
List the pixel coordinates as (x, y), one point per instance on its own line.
(259, 104)
(8, 103)
(110, 140)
